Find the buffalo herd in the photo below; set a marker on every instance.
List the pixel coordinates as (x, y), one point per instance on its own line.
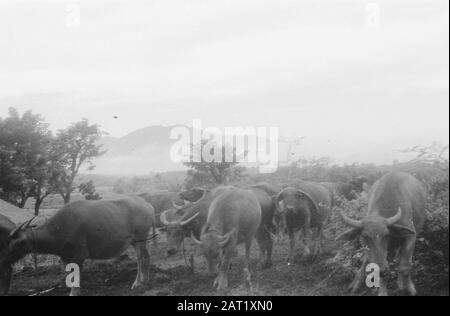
(218, 220)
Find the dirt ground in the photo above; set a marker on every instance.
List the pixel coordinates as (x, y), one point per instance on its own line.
(171, 276)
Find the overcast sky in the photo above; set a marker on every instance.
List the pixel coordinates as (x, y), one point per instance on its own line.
(359, 79)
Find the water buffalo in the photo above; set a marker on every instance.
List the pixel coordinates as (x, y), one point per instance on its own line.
(306, 206)
(234, 218)
(161, 201)
(264, 236)
(190, 220)
(194, 217)
(396, 214)
(6, 227)
(88, 230)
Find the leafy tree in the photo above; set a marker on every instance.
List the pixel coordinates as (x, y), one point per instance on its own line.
(76, 146)
(87, 189)
(45, 177)
(24, 141)
(210, 174)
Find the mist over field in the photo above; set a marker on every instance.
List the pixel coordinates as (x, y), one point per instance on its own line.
(359, 81)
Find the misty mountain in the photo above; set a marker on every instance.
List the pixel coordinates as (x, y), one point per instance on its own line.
(147, 150)
(141, 152)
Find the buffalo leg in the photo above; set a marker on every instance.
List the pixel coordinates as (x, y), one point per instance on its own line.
(221, 281)
(382, 291)
(79, 256)
(155, 236)
(76, 291)
(291, 247)
(359, 278)
(265, 244)
(304, 241)
(269, 251)
(247, 274)
(405, 265)
(307, 232)
(143, 261)
(317, 242)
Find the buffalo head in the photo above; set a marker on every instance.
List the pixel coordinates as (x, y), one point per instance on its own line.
(294, 201)
(16, 245)
(375, 232)
(175, 229)
(211, 246)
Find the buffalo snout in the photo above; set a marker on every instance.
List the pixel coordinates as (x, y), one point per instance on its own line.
(290, 208)
(172, 252)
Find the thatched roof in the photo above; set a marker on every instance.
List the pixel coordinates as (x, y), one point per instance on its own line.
(15, 214)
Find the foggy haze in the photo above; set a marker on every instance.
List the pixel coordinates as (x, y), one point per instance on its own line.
(359, 80)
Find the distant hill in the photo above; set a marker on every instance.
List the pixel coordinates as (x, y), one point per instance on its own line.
(141, 152)
(144, 151)
(147, 150)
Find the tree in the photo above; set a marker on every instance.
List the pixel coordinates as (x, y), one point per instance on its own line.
(87, 189)
(24, 141)
(434, 163)
(45, 177)
(434, 153)
(213, 173)
(76, 146)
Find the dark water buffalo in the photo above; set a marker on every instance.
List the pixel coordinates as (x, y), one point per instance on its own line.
(88, 230)
(194, 217)
(161, 201)
(264, 236)
(306, 206)
(395, 217)
(191, 219)
(234, 218)
(6, 227)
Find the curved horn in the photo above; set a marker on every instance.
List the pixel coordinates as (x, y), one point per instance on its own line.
(163, 218)
(16, 231)
(226, 239)
(277, 197)
(351, 222)
(205, 191)
(30, 221)
(198, 242)
(178, 207)
(394, 219)
(25, 225)
(185, 222)
(310, 198)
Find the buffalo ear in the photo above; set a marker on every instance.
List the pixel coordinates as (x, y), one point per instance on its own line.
(350, 234)
(401, 230)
